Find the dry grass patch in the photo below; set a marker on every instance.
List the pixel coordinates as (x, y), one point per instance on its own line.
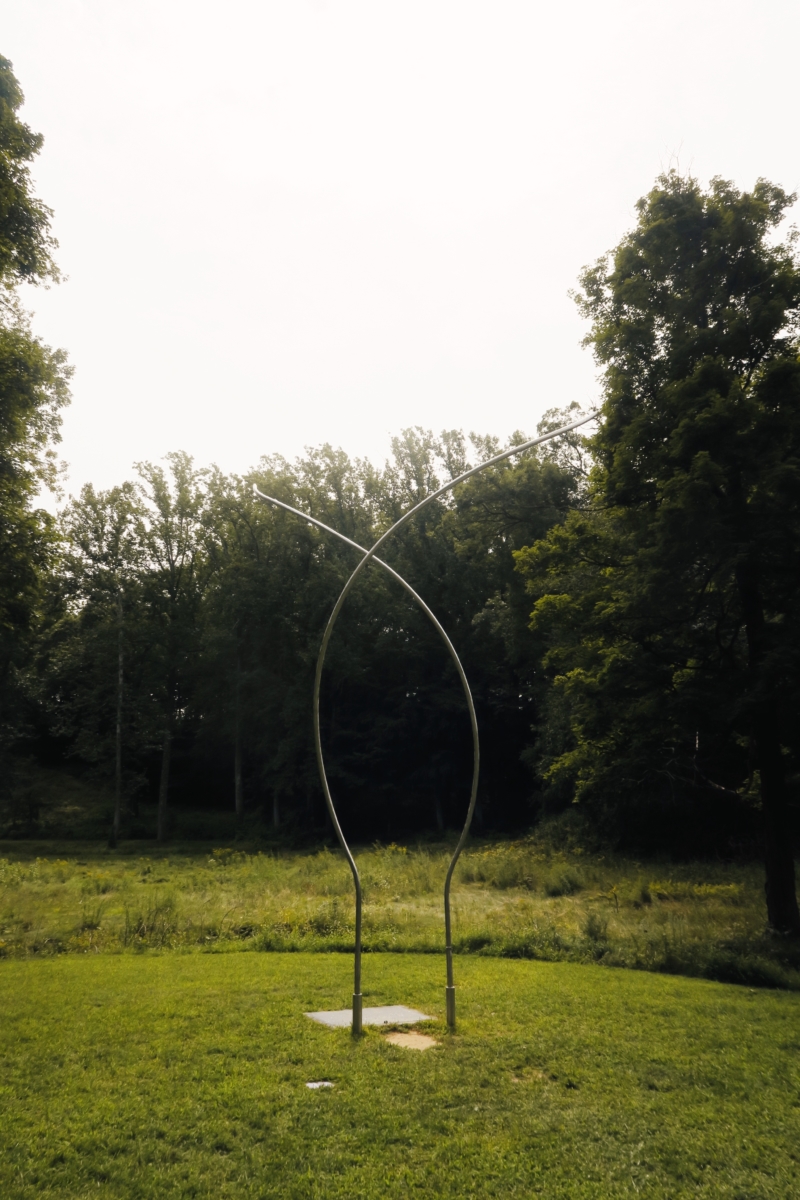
(411, 1040)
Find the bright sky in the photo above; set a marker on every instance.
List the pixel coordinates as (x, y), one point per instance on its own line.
(296, 222)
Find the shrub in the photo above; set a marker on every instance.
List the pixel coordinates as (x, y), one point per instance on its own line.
(595, 928)
(563, 882)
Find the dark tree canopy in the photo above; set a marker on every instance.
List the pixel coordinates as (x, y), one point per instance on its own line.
(223, 601)
(671, 603)
(33, 388)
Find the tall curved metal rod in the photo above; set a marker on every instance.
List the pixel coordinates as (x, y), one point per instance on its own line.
(329, 800)
(450, 993)
(498, 458)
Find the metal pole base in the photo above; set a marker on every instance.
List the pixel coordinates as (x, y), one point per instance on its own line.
(450, 1003)
(356, 1014)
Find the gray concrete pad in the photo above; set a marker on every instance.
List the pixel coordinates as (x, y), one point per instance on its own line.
(385, 1014)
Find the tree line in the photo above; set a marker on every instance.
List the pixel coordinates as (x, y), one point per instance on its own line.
(625, 603)
(184, 617)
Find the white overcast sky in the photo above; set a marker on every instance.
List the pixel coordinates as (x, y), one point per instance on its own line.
(289, 223)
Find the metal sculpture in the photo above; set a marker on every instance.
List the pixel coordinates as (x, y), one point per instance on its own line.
(370, 556)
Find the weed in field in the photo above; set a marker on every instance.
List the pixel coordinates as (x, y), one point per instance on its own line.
(91, 918)
(595, 928)
(155, 926)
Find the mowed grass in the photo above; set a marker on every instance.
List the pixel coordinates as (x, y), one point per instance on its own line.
(183, 1075)
(511, 899)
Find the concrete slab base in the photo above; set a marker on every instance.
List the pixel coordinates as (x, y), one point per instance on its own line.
(384, 1014)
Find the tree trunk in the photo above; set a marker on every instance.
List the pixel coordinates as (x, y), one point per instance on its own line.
(163, 787)
(237, 775)
(780, 887)
(439, 814)
(782, 911)
(237, 750)
(118, 764)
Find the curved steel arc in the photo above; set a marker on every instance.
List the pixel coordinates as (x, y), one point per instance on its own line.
(472, 716)
(498, 458)
(320, 661)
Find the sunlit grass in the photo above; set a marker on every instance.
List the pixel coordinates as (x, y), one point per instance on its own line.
(166, 1075)
(513, 899)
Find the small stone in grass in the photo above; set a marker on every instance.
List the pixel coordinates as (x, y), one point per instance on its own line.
(318, 1083)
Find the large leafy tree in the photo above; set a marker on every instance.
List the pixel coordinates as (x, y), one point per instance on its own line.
(33, 388)
(119, 661)
(172, 578)
(671, 601)
(92, 657)
(26, 243)
(269, 585)
(459, 553)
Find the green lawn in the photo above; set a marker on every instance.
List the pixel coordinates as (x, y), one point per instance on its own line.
(184, 1074)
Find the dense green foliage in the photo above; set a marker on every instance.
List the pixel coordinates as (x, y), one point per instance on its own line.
(33, 388)
(185, 1075)
(670, 602)
(215, 602)
(26, 243)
